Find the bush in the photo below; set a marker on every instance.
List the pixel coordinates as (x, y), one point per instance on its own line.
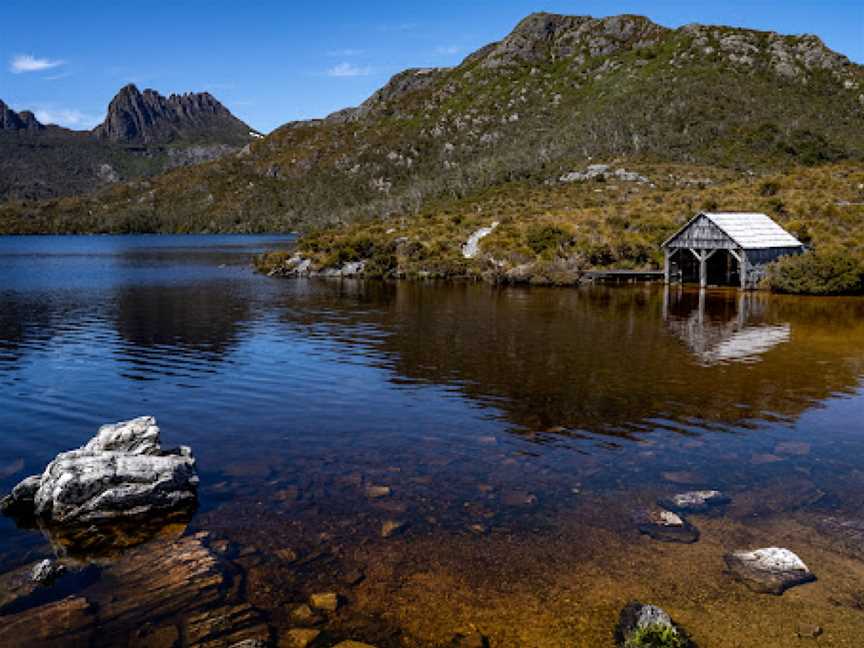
(542, 238)
(813, 273)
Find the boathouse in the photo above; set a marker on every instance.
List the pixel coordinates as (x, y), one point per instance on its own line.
(728, 249)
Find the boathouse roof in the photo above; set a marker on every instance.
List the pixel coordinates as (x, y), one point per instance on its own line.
(749, 231)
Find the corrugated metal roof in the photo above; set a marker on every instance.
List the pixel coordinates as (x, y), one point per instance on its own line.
(753, 231)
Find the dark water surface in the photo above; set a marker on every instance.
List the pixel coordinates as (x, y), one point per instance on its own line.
(518, 429)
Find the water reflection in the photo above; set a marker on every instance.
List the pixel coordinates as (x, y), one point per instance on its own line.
(717, 336)
(178, 329)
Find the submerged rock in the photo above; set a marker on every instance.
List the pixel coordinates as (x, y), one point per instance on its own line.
(666, 526)
(648, 626)
(772, 570)
(47, 571)
(122, 472)
(694, 501)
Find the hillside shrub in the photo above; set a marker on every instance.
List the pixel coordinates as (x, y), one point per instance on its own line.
(815, 273)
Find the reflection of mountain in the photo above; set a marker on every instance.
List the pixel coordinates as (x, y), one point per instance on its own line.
(714, 339)
(594, 360)
(178, 328)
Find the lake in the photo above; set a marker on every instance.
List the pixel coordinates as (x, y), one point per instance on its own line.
(517, 431)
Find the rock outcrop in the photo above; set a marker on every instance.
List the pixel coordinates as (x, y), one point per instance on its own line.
(148, 117)
(14, 121)
(121, 473)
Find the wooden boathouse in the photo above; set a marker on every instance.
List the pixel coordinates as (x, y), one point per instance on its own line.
(729, 249)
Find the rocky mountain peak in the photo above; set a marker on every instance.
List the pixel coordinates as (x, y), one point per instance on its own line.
(149, 118)
(544, 36)
(13, 121)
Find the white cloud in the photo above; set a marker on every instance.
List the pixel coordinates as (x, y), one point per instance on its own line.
(448, 49)
(348, 70)
(68, 117)
(26, 63)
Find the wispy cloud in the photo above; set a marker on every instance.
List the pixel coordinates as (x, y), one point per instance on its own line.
(21, 63)
(346, 53)
(68, 117)
(448, 50)
(348, 70)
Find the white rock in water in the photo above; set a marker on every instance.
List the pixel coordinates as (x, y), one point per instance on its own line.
(772, 559)
(694, 501)
(771, 570)
(122, 472)
(472, 245)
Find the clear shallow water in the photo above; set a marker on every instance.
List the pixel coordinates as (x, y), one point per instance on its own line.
(491, 413)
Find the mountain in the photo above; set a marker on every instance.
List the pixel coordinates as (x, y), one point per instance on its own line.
(143, 134)
(555, 93)
(149, 118)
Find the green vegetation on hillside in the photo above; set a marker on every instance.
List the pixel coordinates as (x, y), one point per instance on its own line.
(552, 233)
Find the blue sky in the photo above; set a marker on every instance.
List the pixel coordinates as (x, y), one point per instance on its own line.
(271, 62)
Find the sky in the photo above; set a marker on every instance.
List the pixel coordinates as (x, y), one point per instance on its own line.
(271, 62)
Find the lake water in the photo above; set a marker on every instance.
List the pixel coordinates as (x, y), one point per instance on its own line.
(517, 429)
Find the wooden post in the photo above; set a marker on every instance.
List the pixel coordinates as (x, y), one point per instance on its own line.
(743, 270)
(703, 269)
(666, 265)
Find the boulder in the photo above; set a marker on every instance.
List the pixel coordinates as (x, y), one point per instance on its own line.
(772, 570)
(647, 626)
(121, 473)
(697, 501)
(666, 526)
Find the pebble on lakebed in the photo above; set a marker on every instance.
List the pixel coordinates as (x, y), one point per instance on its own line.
(772, 570)
(666, 526)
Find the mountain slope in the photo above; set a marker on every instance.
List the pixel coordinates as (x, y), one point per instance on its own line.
(554, 93)
(143, 134)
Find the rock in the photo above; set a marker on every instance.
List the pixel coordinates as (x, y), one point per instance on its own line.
(353, 644)
(374, 492)
(237, 626)
(299, 638)
(21, 501)
(326, 601)
(47, 571)
(121, 473)
(771, 571)
(391, 527)
(641, 625)
(304, 614)
(694, 501)
(666, 526)
(68, 622)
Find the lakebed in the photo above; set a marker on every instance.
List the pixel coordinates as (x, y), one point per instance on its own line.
(449, 459)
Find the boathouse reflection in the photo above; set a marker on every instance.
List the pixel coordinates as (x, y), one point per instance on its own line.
(721, 327)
